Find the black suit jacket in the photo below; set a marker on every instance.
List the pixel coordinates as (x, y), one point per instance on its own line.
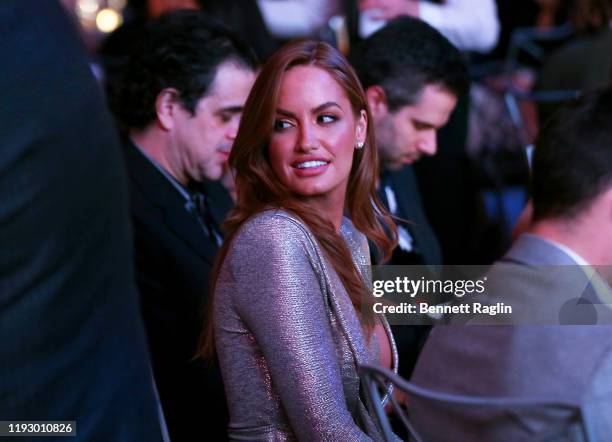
(410, 208)
(174, 259)
(72, 344)
(409, 340)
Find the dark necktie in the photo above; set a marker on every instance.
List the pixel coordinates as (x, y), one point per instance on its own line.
(201, 209)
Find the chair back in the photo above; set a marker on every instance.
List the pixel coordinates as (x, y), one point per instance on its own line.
(571, 426)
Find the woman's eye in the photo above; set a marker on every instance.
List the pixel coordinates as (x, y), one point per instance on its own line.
(326, 119)
(281, 125)
(225, 118)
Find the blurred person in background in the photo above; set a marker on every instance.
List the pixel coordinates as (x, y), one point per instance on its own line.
(580, 63)
(412, 87)
(267, 24)
(180, 101)
(503, 119)
(73, 344)
(469, 25)
(244, 18)
(447, 182)
(288, 19)
(584, 63)
(114, 50)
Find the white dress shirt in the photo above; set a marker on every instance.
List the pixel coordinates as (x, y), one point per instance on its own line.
(471, 25)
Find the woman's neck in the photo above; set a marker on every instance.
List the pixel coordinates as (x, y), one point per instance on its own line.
(330, 209)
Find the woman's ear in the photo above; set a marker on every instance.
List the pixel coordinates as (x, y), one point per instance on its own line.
(361, 128)
(166, 107)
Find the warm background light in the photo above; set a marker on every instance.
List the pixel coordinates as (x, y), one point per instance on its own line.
(108, 20)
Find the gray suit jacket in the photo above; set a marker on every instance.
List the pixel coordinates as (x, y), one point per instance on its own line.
(567, 367)
(544, 286)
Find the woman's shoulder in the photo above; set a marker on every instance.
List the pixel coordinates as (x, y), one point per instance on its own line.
(270, 230)
(356, 240)
(273, 222)
(349, 231)
(271, 244)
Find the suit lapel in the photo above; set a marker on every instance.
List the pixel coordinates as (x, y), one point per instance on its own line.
(410, 208)
(186, 228)
(407, 197)
(156, 188)
(220, 200)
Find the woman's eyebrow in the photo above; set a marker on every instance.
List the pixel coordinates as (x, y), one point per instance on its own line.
(285, 113)
(325, 106)
(317, 109)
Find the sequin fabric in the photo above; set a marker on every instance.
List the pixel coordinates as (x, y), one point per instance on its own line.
(288, 338)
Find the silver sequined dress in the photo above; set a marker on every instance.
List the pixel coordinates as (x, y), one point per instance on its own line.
(288, 338)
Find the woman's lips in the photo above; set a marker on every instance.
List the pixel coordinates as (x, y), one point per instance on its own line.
(223, 155)
(409, 159)
(310, 168)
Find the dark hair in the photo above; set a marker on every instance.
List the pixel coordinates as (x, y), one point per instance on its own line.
(181, 50)
(404, 57)
(258, 187)
(572, 162)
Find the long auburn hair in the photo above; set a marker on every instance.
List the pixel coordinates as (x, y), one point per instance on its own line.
(258, 187)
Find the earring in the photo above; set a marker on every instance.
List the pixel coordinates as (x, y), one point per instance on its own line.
(359, 145)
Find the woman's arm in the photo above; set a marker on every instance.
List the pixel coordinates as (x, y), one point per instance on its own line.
(279, 297)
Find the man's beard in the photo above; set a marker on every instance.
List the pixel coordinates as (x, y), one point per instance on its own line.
(385, 139)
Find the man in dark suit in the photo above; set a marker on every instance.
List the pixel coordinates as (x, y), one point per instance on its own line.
(565, 256)
(412, 86)
(180, 101)
(413, 77)
(72, 339)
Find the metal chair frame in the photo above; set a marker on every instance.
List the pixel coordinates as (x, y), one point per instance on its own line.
(376, 378)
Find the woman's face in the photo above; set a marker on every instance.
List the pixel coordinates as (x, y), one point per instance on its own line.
(315, 132)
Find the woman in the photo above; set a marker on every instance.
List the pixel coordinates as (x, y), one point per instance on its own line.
(288, 292)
